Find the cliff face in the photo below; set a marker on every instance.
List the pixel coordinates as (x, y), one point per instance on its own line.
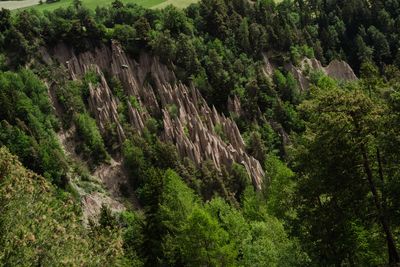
(198, 131)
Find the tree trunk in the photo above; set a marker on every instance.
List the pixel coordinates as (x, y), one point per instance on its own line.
(393, 255)
(381, 176)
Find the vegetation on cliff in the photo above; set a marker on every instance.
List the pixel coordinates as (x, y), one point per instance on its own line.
(329, 148)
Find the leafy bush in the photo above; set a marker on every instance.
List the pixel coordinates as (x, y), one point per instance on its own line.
(92, 143)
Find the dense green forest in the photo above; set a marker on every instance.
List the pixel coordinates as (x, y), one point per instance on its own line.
(330, 195)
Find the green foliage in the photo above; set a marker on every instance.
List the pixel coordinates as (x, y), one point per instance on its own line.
(70, 97)
(3, 62)
(132, 223)
(339, 162)
(205, 242)
(92, 143)
(239, 180)
(177, 200)
(173, 111)
(193, 233)
(280, 189)
(134, 102)
(134, 157)
(243, 35)
(286, 86)
(220, 132)
(186, 56)
(27, 125)
(91, 78)
(126, 35)
(256, 146)
(163, 45)
(297, 53)
(270, 246)
(33, 218)
(253, 205)
(279, 80)
(286, 114)
(175, 21)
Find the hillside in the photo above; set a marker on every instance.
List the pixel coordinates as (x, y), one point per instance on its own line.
(227, 133)
(41, 226)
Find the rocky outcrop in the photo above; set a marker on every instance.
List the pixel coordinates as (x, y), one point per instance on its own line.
(234, 106)
(268, 69)
(198, 131)
(103, 105)
(92, 204)
(340, 70)
(337, 69)
(193, 132)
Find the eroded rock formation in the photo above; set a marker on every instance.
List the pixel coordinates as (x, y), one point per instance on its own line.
(103, 105)
(234, 106)
(198, 130)
(340, 70)
(337, 69)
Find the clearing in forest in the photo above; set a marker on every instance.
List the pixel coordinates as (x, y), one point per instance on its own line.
(92, 4)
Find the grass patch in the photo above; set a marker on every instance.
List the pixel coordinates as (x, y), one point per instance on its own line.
(177, 3)
(92, 4)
